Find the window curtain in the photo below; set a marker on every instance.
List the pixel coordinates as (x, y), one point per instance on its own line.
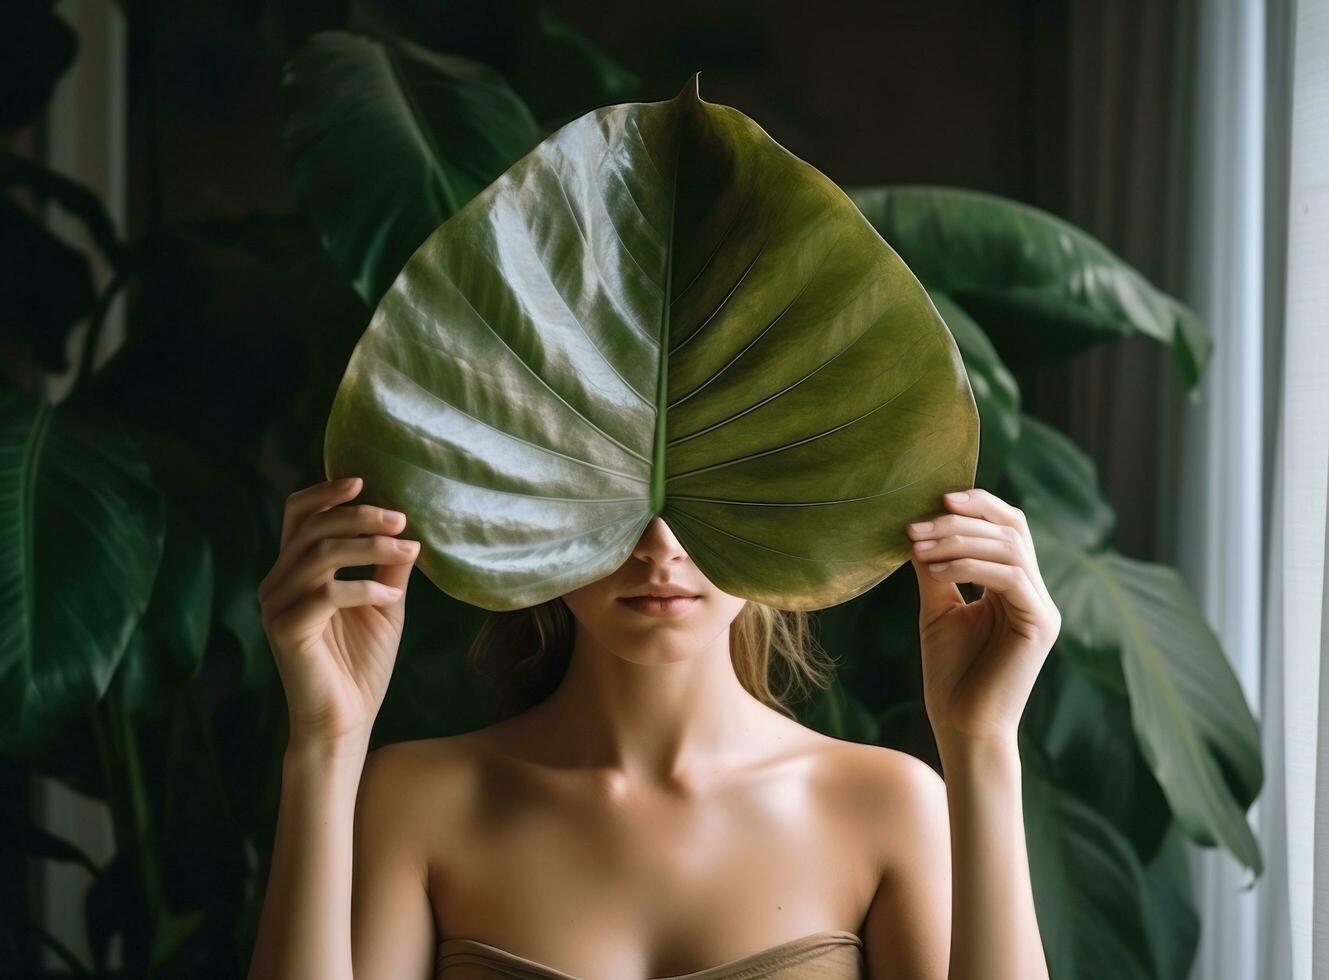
(1252, 499)
(1297, 710)
(1218, 502)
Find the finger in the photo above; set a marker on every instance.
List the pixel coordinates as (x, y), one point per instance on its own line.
(958, 526)
(1009, 581)
(939, 527)
(978, 502)
(341, 522)
(347, 521)
(935, 596)
(398, 574)
(324, 557)
(311, 500)
(1008, 550)
(316, 607)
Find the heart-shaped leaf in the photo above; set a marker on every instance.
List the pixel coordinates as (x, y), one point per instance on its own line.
(658, 311)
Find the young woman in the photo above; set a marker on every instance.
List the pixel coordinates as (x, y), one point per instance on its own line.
(652, 816)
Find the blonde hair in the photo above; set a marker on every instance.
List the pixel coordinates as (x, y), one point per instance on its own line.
(524, 654)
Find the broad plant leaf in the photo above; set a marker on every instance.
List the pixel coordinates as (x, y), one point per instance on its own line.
(553, 68)
(1088, 887)
(166, 649)
(385, 138)
(1056, 482)
(995, 390)
(564, 73)
(1187, 708)
(1092, 752)
(1040, 287)
(83, 530)
(659, 311)
(1174, 927)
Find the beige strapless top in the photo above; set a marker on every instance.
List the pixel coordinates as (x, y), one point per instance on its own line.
(829, 955)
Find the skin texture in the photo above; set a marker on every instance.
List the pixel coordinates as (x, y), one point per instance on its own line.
(650, 817)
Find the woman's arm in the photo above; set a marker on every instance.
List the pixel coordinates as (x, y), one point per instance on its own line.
(304, 930)
(334, 642)
(348, 893)
(980, 660)
(994, 933)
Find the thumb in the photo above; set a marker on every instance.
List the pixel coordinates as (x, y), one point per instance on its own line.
(935, 598)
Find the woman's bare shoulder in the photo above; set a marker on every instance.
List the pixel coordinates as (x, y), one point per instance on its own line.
(427, 776)
(881, 789)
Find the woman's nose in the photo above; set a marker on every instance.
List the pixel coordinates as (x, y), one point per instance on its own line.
(658, 544)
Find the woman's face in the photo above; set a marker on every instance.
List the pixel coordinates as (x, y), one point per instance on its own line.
(654, 631)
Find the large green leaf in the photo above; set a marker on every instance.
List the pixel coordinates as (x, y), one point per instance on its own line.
(659, 311)
(82, 530)
(1056, 482)
(1088, 888)
(1187, 708)
(1040, 287)
(386, 138)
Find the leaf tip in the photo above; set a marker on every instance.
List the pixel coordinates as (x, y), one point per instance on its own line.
(691, 91)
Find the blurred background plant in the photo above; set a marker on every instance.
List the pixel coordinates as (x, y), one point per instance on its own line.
(141, 507)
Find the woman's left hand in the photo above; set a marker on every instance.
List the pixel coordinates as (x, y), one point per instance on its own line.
(980, 659)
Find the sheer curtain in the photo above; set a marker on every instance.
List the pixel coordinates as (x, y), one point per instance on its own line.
(1256, 462)
(1297, 729)
(1220, 500)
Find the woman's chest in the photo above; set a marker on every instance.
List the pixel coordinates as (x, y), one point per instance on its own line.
(650, 887)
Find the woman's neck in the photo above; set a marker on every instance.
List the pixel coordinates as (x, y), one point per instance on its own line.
(663, 723)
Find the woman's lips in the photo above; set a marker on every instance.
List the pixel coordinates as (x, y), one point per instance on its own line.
(667, 608)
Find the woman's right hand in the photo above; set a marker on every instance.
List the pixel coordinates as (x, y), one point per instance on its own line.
(335, 640)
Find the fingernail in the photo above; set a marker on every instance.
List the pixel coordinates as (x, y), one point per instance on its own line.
(938, 566)
(406, 547)
(393, 591)
(922, 526)
(958, 496)
(924, 545)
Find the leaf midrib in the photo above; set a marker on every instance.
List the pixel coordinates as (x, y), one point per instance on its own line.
(662, 377)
